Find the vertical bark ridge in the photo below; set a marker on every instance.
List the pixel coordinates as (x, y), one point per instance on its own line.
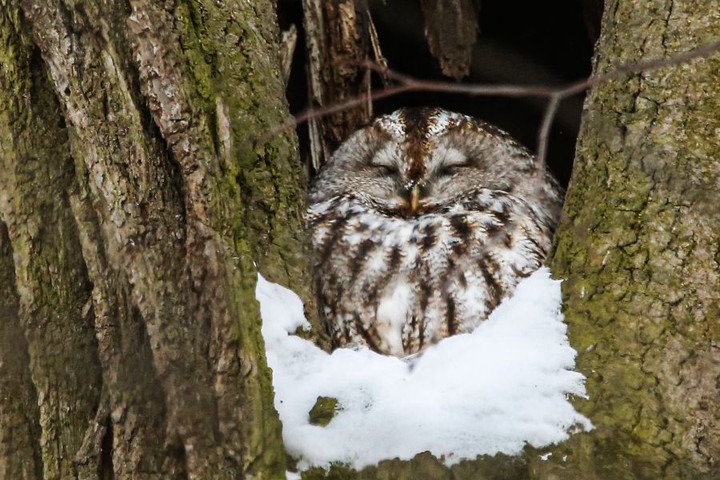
(50, 275)
(136, 201)
(337, 34)
(20, 455)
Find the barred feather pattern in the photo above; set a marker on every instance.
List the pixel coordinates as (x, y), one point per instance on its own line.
(421, 223)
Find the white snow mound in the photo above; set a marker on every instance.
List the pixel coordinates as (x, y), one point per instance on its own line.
(491, 391)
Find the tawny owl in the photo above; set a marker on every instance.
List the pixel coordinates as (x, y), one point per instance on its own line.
(421, 223)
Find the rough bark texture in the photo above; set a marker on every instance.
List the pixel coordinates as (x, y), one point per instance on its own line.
(337, 33)
(19, 417)
(451, 29)
(639, 249)
(139, 197)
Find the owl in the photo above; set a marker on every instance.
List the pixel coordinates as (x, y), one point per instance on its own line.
(421, 223)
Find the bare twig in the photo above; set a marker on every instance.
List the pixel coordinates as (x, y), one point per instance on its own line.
(544, 132)
(555, 95)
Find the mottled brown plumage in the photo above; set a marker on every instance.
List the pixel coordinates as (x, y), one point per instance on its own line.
(421, 223)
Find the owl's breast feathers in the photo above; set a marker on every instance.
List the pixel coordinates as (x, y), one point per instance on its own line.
(398, 283)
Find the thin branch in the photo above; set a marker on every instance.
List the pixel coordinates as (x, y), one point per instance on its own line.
(568, 90)
(312, 113)
(544, 132)
(555, 95)
(414, 84)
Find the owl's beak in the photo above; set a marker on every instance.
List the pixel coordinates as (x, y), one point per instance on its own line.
(414, 198)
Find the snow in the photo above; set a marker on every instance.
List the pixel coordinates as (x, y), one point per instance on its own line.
(491, 391)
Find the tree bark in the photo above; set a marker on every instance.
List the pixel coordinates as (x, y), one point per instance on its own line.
(140, 195)
(451, 29)
(638, 248)
(338, 35)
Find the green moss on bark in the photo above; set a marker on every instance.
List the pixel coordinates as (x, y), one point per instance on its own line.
(635, 248)
(426, 466)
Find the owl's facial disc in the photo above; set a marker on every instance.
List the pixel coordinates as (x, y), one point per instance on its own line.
(411, 177)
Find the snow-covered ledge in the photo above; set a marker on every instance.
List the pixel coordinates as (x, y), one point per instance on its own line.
(492, 391)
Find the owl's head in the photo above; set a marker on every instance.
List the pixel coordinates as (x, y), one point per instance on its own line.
(414, 161)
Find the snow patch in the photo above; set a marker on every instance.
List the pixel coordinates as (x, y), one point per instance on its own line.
(391, 314)
(491, 391)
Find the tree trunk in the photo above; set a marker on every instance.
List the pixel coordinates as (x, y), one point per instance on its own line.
(140, 195)
(638, 248)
